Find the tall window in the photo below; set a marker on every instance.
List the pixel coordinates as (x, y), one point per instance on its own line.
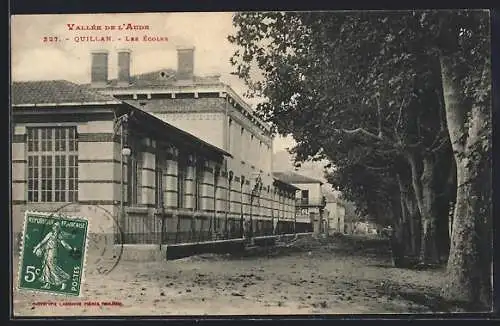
(243, 144)
(198, 181)
(305, 197)
(52, 164)
(160, 168)
(229, 136)
(134, 178)
(181, 181)
(251, 150)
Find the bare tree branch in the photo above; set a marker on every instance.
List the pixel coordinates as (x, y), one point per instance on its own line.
(398, 122)
(379, 116)
(361, 131)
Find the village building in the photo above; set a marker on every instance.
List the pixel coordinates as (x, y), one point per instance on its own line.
(310, 200)
(172, 157)
(335, 214)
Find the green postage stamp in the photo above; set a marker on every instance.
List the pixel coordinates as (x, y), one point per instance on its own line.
(53, 253)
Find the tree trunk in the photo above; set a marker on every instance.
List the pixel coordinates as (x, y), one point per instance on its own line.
(451, 188)
(405, 243)
(468, 270)
(411, 210)
(487, 236)
(463, 263)
(398, 243)
(428, 247)
(414, 220)
(425, 196)
(405, 232)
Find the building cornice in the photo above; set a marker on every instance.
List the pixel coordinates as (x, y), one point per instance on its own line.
(22, 110)
(223, 90)
(65, 104)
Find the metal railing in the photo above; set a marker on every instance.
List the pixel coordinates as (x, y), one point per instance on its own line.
(186, 227)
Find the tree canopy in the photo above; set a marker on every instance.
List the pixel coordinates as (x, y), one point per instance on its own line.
(370, 92)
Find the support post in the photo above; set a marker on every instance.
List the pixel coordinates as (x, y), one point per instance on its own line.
(242, 181)
(122, 188)
(216, 179)
(124, 152)
(228, 202)
(177, 224)
(295, 221)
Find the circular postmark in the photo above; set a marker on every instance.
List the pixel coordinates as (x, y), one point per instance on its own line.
(103, 245)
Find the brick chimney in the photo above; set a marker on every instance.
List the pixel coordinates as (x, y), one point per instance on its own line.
(123, 67)
(185, 63)
(99, 69)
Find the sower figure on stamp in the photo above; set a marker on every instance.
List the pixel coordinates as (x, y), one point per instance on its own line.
(52, 274)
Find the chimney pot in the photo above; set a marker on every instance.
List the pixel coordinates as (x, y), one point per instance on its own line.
(124, 67)
(99, 69)
(185, 63)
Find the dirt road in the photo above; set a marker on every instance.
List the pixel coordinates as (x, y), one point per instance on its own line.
(314, 277)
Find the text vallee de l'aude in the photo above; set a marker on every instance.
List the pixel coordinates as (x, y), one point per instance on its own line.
(118, 27)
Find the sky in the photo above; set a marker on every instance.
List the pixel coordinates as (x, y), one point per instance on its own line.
(34, 59)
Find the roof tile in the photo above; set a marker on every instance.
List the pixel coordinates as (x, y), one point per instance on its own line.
(291, 177)
(54, 91)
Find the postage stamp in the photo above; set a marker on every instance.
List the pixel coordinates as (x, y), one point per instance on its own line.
(53, 253)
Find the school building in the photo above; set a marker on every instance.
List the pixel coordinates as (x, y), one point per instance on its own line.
(162, 157)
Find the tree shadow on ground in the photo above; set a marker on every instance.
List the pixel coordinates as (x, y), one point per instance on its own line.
(410, 266)
(361, 246)
(436, 303)
(338, 245)
(425, 298)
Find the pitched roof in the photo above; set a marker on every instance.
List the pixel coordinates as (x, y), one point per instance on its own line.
(178, 105)
(56, 92)
(292, 177)
(285, 184)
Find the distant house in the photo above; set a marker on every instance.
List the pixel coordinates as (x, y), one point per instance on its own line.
(365, 228)
(335, 214)
(310, 201)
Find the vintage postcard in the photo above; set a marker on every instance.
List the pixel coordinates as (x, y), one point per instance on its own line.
(251, 163)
